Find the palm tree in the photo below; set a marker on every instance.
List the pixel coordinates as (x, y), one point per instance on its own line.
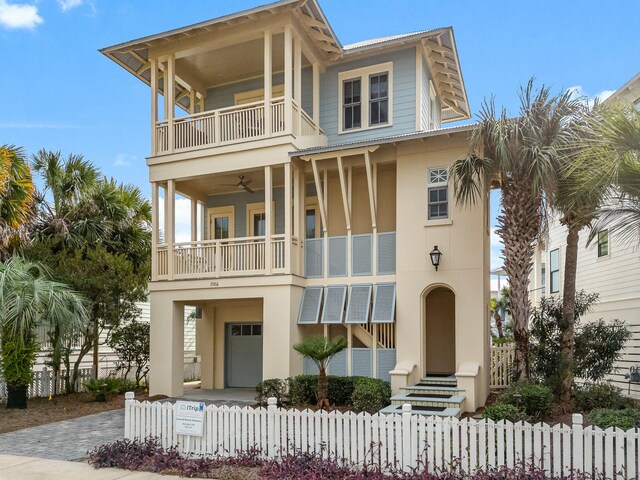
(17, 197)
(30, 298)
(321, 350)
(518, 156)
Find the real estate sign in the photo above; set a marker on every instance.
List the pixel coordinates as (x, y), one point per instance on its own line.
(189, 418)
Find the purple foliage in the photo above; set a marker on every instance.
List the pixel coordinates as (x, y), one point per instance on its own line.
(151, 456)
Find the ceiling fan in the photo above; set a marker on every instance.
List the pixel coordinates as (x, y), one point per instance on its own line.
(243, 184)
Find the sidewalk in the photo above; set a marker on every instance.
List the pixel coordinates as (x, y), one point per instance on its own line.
(13, 467)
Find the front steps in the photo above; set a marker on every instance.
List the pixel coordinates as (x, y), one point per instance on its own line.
(435, 395)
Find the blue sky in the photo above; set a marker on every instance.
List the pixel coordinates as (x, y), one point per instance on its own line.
(60, 93)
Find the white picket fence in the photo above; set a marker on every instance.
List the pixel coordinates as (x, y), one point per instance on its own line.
(402, 441)
(501, 360)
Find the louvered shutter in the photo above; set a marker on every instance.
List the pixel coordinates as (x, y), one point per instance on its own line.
(338, 256)
(338, 364)
(387, 253)
(361, 362)
(359, 304)
(313, 258)
(386, 362)
(334, 299)
(361, 259)
(384, 303)
(310, 306)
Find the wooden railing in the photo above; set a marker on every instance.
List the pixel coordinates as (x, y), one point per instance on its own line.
(386, 335)
(229, 125)
(219, 258)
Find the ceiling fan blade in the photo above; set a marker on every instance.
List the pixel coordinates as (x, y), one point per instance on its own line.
(247, 189)
(229, 185)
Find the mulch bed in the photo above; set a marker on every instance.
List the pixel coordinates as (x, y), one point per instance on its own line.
(41, 411)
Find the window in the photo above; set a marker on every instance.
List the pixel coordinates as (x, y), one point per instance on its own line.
(246, 330)
(554, 273)
(221, 227)
(378, 99)
(438, 194)
(352, 108)
(603, 243)
(365, 97)
(221, 223)
(543, 280)
(310, 223)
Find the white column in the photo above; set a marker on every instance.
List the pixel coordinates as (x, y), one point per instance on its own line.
(203, 214)
(268, 215)
(167, 346)
(170, 224)
(297, 82)
(268, 74)
(287, 218)
(194, 220)
(316, 97)
(154, 105)
(288, 80)
(154, 231)
(169, 97)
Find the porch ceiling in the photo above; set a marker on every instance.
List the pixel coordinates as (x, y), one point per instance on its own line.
(206, 185)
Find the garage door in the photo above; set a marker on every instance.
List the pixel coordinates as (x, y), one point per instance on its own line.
(243, 366)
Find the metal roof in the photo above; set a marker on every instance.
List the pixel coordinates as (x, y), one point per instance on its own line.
(383, 140)
(392, 38)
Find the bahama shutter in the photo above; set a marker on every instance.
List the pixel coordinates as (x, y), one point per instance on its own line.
(334, 300)
(359, 304)
(310, 306)
(387, 253)
(384, 303)
(338, 256)
(313, 258)
(361, 258)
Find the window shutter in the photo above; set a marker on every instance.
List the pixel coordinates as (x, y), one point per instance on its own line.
(361, 258)
(384, 303)
(361, 362)
(310, 306)
(359, 304)
(313, 258)
(338, 256)
(334, 299)
(387, 253)
(386, 362)
(338, 364)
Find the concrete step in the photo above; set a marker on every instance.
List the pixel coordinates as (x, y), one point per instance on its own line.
(428, 400)
(432, 388)
(428, 411)
(448, 380)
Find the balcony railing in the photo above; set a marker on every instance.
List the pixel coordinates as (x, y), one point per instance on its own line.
(230, 125)
(220, 258)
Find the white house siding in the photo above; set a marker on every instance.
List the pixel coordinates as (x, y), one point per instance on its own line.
(424, 96)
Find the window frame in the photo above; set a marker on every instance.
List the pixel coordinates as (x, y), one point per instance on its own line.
(438, 185)
(379, 99)
(553, 290)
(600, 244)
(221, 212)
(259, 208)
(365, 74)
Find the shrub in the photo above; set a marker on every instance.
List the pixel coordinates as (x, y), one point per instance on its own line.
(272, 387)
(609, 417)
(303, 389)
(504, 411)
(126, 385)
(103, 388)
(341, 390)
(535, 400)
(600, 395)
(370, 394)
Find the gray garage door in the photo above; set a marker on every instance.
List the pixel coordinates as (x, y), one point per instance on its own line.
(243, 354)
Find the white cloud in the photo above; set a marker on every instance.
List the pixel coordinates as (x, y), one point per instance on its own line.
(69, 4)
(182, 218)
(19, 15)
(124, 160)
(578, 92)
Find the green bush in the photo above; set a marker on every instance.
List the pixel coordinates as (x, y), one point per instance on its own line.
(609, 417)
(272, 387)
(103, 388)
(600, 395)
(303, 389)
(341, 390)
(535, 400)
(504, 411)
(126, 385)
(370, 394)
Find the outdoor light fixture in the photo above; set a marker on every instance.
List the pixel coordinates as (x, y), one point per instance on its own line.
(435, 255)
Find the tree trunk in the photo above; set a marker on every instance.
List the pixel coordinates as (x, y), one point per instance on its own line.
(323, 389)
(518, 227)
(498, 320)
(17, 396)
(567, 338)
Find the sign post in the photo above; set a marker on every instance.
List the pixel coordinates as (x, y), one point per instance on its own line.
(189, 418)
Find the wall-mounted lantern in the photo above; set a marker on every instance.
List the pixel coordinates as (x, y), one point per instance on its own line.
(435, 255)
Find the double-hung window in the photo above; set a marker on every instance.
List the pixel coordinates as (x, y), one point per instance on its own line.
(603, 243)
(365, 97)
(554, 270)
(438, 194)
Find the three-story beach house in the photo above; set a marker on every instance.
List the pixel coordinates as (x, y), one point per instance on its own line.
(318, 180)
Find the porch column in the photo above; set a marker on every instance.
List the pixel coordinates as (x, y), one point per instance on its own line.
(154, 231)
(288, 80)
(297, 226)
(203, 214)
(268, 215)
(194, 220)
(170, 224)
(268, 77)
(154, 105)
(287, 218)
(297, 84)
(316, 97)
(167, 346)
(192, 101)
(169, 98)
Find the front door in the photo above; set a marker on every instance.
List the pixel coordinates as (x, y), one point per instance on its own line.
(243, 357)
(440, 341)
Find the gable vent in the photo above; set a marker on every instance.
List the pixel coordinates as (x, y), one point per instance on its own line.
(359, 304)
(334, 299)
(310, 306)
(384, 303)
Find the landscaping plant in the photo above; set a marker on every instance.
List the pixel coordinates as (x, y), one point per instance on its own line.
(536, 401)
(608, 417)
(504, 411)
(321, 350)
(272, 387)
(370, 395)
(600, 395)
(131, 343)
(103, 388)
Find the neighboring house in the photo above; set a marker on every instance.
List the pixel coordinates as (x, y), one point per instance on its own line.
(318, 180)
(608, 266)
